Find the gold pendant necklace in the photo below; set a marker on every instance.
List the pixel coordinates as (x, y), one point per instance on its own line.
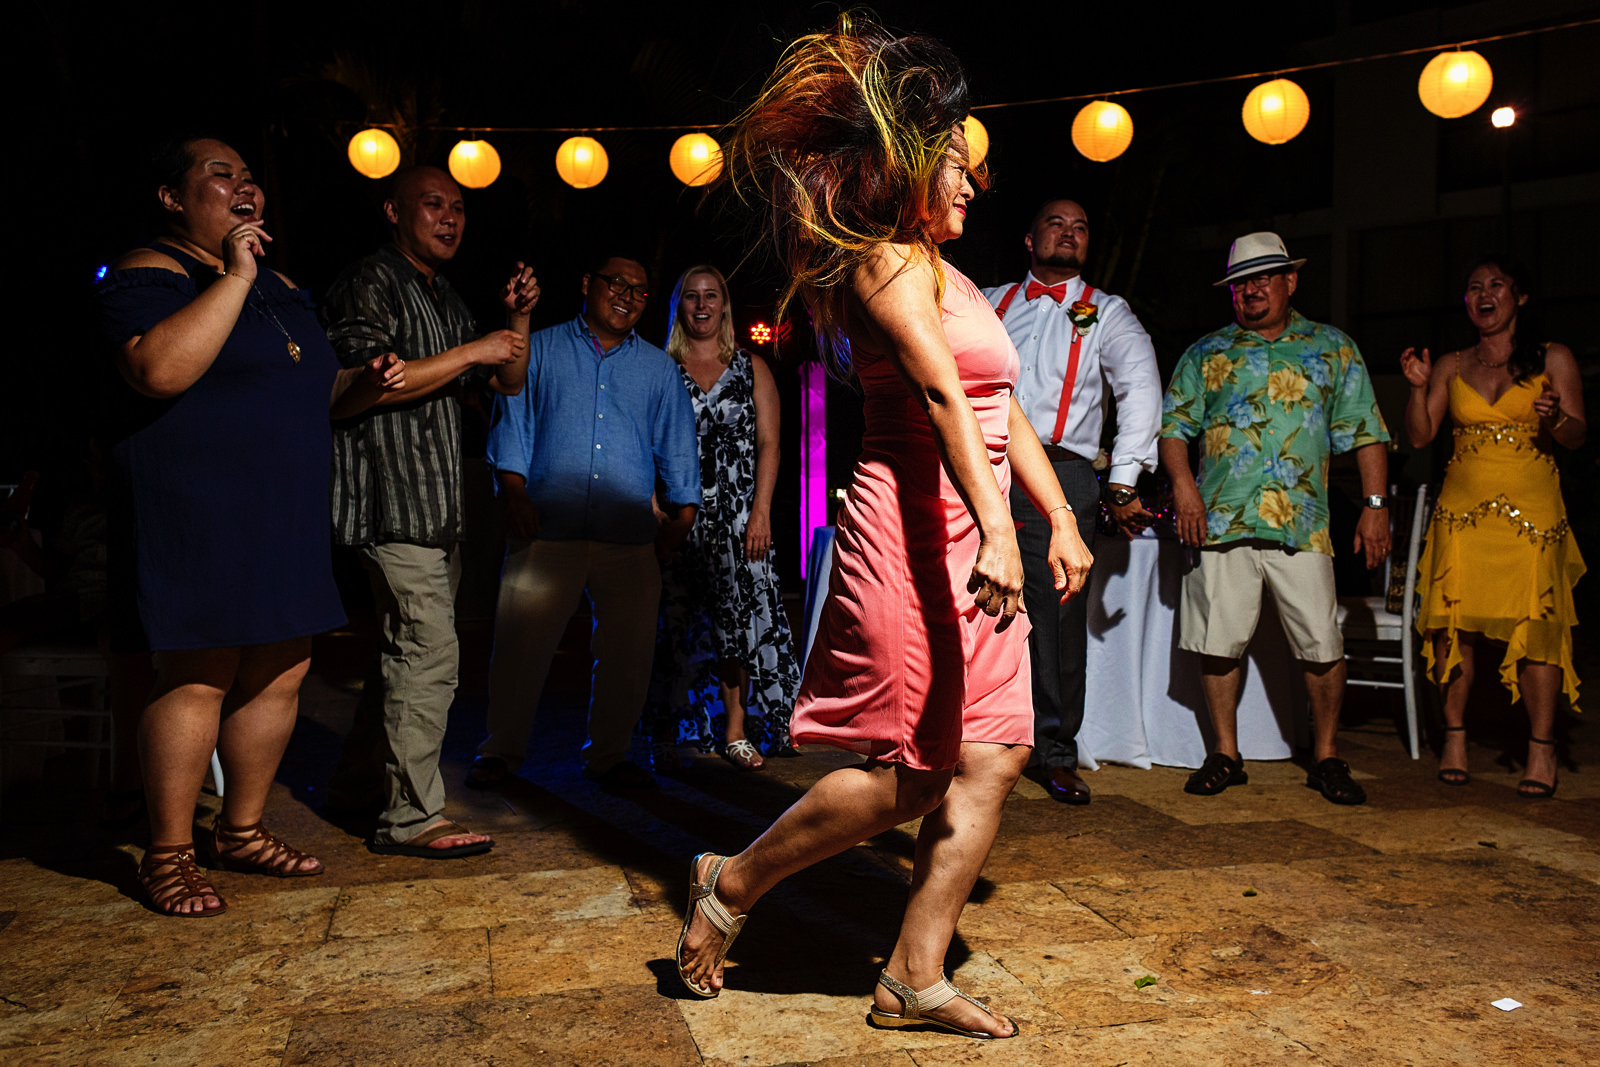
(294, 349)
(1483, 363)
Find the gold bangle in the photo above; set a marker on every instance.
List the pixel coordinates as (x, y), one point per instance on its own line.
(241, 277)
(1564, 417)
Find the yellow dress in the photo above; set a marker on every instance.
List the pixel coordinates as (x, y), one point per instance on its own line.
(1500, 559)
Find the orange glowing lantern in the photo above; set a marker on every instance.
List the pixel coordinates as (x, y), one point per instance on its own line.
(696, 159)
(475, 164)
(1102, 131)
(1276, 111)
(582, 162)
(1455, 84)
(977, 140)
(374, 153)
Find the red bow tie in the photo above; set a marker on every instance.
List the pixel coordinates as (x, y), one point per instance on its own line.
(1057, 292)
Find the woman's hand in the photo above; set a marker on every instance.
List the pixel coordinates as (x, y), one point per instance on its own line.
(757, 535)
(996, 582)
(1548, 405)
(241, 247)
(1069, 558)
(521, 292)
(1418, 370)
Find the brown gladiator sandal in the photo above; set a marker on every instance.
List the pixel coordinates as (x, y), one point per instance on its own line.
(170, 877)
(273, 858)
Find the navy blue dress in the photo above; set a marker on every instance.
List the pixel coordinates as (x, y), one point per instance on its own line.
(220, 521)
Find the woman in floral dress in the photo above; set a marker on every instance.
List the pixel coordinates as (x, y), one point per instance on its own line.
(723, 633)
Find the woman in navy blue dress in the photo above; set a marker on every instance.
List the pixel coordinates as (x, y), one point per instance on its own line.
(221, 461)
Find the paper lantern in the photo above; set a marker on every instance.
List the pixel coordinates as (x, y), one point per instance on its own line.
(475, 164)
(1455, 84)
(374, 153)
(977, 140)
(1102, 131)
(696, 159)
(1276, 111)
(581, 162)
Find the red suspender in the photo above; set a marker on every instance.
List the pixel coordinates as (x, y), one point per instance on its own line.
(1005, 301)
(1072, 370)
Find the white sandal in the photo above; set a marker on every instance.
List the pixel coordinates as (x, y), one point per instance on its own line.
(929, 999)
(743, 755)
(703, 898)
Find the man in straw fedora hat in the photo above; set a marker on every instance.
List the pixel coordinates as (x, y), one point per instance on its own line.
(1273, 397)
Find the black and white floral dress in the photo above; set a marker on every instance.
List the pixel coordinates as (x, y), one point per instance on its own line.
(715, 604)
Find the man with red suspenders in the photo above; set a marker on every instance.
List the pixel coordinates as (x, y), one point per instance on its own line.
(1079, 347)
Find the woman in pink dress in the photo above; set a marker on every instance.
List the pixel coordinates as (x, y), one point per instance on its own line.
(920, 663)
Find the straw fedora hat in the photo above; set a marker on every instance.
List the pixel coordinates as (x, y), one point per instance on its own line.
(1257, 252)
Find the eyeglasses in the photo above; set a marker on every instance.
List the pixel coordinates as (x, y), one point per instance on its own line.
(619, 287)
(1255, 281)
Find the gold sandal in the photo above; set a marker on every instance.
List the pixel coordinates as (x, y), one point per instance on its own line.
(929, 999)
(703, 898)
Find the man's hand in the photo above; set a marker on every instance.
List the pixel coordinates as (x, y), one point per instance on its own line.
(387, 373)
(1372, 535)
(673, 530)
(1131, 518)
(521, 292)
(1190, 512)
(498, 348)
(522, 516)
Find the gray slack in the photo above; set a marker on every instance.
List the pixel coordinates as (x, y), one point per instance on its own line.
(399, 726)
(540, 588)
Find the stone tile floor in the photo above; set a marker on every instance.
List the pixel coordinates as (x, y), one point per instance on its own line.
(1277, 928)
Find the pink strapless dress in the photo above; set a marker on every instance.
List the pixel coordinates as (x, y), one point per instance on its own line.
(904, 667)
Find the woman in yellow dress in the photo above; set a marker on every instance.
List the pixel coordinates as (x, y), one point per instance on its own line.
(1500, 560)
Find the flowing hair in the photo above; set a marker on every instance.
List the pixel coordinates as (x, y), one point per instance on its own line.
(1527, 351)
(845, 150)
(677, 340)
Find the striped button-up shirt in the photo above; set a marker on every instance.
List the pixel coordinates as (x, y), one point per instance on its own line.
(397, 470)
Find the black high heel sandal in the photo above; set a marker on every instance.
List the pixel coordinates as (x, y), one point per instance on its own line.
(1532, 788)
(1453, 775)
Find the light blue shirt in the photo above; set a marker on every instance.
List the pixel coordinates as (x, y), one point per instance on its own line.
(593, 434)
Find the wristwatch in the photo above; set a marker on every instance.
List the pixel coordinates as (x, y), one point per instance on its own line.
(1123, 497)
(1376, 502)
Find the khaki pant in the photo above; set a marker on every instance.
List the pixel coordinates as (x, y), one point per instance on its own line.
(1221, 601)
(539, 591)
(400, 721)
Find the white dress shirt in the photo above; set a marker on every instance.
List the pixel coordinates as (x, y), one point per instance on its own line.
(1115, 353)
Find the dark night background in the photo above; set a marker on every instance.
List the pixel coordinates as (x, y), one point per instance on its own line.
(1390, 204)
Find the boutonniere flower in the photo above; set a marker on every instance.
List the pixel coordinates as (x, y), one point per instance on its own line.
(1083, 315)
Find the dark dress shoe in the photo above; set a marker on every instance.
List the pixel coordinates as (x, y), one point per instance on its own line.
(1064, 784)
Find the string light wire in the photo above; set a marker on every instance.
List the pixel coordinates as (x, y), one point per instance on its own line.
(1217, 80)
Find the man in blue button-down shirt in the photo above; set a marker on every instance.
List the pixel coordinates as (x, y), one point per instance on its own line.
(578, 456)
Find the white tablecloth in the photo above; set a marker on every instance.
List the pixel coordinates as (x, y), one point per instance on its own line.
(1144, 704)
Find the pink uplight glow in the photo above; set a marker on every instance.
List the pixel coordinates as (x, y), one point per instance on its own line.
(813, 456)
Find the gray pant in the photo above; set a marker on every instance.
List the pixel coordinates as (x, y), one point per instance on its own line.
(539, 590)
(392, 753)
(1059, 642)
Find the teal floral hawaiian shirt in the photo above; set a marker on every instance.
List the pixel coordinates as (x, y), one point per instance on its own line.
(1271, 414)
